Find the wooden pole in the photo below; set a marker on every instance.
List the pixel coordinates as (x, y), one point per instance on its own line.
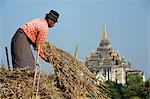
(6, 50)
(36, 69)
(38, 82)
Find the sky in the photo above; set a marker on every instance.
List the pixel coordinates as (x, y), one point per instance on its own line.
(81, 22)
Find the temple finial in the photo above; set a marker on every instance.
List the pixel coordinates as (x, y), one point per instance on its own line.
(105, 41)
(105, 37)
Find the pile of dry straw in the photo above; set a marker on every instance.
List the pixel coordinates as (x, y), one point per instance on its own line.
(71, 80)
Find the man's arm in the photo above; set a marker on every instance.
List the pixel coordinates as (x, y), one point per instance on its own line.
(41, 36)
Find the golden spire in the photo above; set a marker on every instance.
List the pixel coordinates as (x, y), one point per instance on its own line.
(105, 37)
(104, 41)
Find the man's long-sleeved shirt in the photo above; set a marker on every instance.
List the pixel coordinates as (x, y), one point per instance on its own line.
(37, 31)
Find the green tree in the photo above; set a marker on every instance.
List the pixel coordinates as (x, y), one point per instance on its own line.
(146, 90)
(134, 87)
(115, 90)
(134, 80)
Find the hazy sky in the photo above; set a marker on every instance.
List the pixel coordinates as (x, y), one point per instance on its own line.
(81, 22)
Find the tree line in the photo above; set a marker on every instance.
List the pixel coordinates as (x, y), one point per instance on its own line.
(135, 88)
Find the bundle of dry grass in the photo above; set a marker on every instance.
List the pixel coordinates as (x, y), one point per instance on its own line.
(68, 71)
(66, 83)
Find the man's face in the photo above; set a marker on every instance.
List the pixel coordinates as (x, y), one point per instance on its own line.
(51, 23)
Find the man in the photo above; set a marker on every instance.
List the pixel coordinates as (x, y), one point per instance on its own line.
(32, 33)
